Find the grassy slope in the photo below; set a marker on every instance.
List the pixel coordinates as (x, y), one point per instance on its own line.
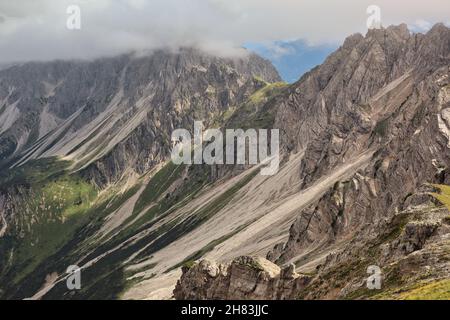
(426, 290)
(109, 275)
(397, 283)
(51, 205)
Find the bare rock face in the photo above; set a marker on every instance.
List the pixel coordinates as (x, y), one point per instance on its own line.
(410, 248)
(385, 95)
(114, 114)
(416, 234)
(245, 278)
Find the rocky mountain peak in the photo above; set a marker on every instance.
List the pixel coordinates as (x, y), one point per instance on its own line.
(351, 41)
(399, 32)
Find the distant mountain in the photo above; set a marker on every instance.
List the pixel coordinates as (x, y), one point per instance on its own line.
(76, 135)
(68, 108)
(292, 58)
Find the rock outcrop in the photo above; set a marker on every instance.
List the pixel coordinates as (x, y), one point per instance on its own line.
(412, 250)
(245, 278)
(400, 118)
(117, 113)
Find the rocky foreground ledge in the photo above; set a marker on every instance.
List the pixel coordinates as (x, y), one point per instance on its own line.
(412, 250)
(244, 278)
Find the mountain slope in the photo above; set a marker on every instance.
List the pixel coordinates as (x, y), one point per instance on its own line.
(385, 93)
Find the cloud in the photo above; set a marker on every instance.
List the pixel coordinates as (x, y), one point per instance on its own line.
(278, 51)
(36, 30)
(421, 25)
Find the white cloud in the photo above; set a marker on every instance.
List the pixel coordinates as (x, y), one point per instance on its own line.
(278, 51)
(36, 29)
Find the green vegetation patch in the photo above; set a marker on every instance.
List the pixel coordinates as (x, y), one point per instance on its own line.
(381, 127)
(158, 184)
(437, 290)
(33, 172)
(443, 196)
(267, 92)
(258, 111)
(49, 207)
(434, 290)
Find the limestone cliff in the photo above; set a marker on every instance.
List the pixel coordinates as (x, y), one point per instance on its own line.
(384, 95)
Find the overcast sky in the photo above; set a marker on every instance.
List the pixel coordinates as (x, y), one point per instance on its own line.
(36, 29)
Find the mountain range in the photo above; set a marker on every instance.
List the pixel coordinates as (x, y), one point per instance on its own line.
(292, 58)
(86, 177)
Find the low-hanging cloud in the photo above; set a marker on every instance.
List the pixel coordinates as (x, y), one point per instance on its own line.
(36, 29)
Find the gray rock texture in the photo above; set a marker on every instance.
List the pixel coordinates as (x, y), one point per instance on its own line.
(245, 278)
